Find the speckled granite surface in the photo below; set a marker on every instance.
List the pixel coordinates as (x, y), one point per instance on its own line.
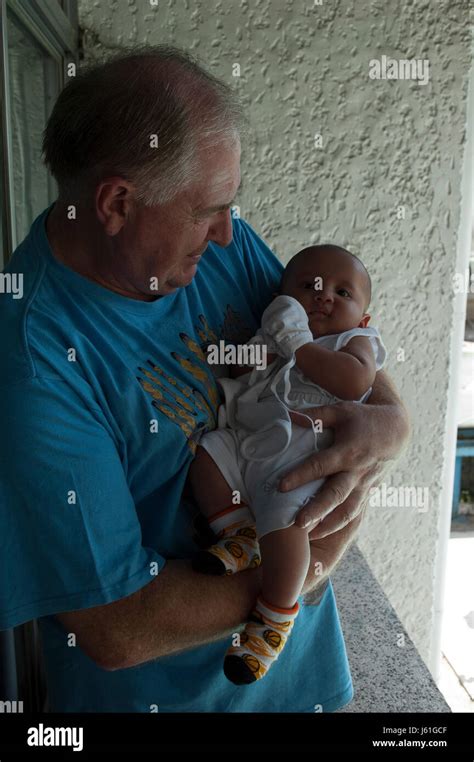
(387, 671)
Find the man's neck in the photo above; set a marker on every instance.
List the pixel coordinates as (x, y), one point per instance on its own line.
(75, 254)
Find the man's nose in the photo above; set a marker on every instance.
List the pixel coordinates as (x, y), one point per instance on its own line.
(220, 231)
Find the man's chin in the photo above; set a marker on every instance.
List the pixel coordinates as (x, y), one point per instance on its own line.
(184, 279)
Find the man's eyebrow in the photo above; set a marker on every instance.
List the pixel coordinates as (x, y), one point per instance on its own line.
(214, 209)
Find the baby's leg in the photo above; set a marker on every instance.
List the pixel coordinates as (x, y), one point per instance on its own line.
(286, 557)
(236, 548)
(210, 489)
(285, 563)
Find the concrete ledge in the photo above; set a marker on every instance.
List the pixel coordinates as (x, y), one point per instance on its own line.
(387, 677)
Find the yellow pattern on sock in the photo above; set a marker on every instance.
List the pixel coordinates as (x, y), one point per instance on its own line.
(261, 643)
(237, 549)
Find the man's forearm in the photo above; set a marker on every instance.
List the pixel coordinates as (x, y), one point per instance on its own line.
(384, 391)
(385, 394)
(178, 610)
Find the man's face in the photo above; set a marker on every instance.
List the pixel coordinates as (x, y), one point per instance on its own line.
(167, 242)
(339, 304)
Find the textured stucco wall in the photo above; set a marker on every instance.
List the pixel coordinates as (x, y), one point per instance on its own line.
(385, 144)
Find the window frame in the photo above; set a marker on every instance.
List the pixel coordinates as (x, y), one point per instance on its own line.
(55, 28)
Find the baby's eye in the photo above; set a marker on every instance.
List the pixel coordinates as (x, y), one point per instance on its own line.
(344, 292)
(308, 285)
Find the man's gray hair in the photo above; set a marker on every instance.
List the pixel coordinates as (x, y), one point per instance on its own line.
(105, 119)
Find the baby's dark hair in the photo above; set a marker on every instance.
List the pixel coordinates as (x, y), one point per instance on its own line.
(296, 260)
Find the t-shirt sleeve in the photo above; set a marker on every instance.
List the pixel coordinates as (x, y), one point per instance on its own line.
(71, 537)
(264, 269)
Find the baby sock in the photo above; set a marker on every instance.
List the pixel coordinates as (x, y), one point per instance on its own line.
(261, 642)
(237, 547)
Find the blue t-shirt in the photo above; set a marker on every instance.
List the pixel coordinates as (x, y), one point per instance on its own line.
(101, 400)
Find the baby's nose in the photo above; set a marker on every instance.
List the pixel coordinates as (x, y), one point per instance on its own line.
(323, 296)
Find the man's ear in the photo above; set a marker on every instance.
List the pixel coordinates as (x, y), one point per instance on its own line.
(365, 319)
(114, 203)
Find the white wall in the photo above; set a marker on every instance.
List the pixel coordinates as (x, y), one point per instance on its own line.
(386, 143)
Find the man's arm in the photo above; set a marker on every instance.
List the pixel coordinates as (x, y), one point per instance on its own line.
(178, 610)
(384, 392)
(39, 463)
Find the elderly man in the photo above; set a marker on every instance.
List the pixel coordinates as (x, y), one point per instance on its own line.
(135, 269)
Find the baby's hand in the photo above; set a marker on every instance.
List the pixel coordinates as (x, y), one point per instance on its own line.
(285, 322)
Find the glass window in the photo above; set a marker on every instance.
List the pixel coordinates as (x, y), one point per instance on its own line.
(34, 80)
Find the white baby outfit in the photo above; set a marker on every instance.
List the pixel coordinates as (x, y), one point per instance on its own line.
(256, 443)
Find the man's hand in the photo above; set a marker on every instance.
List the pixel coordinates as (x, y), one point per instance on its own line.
(367, 440)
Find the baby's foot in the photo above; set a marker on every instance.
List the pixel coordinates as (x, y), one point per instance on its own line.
(237, 547)
(261, 643)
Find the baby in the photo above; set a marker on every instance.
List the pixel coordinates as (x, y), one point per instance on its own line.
(322, 352)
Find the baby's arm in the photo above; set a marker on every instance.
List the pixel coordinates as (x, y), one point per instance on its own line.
(347, 373)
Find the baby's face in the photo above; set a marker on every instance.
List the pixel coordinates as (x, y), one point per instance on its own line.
(332, 290)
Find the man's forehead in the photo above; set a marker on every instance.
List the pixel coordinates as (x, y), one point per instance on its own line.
(224, 179)
(216, 190)
(220, 164)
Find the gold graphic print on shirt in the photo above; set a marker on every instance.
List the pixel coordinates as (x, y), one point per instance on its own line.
(183, 404)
